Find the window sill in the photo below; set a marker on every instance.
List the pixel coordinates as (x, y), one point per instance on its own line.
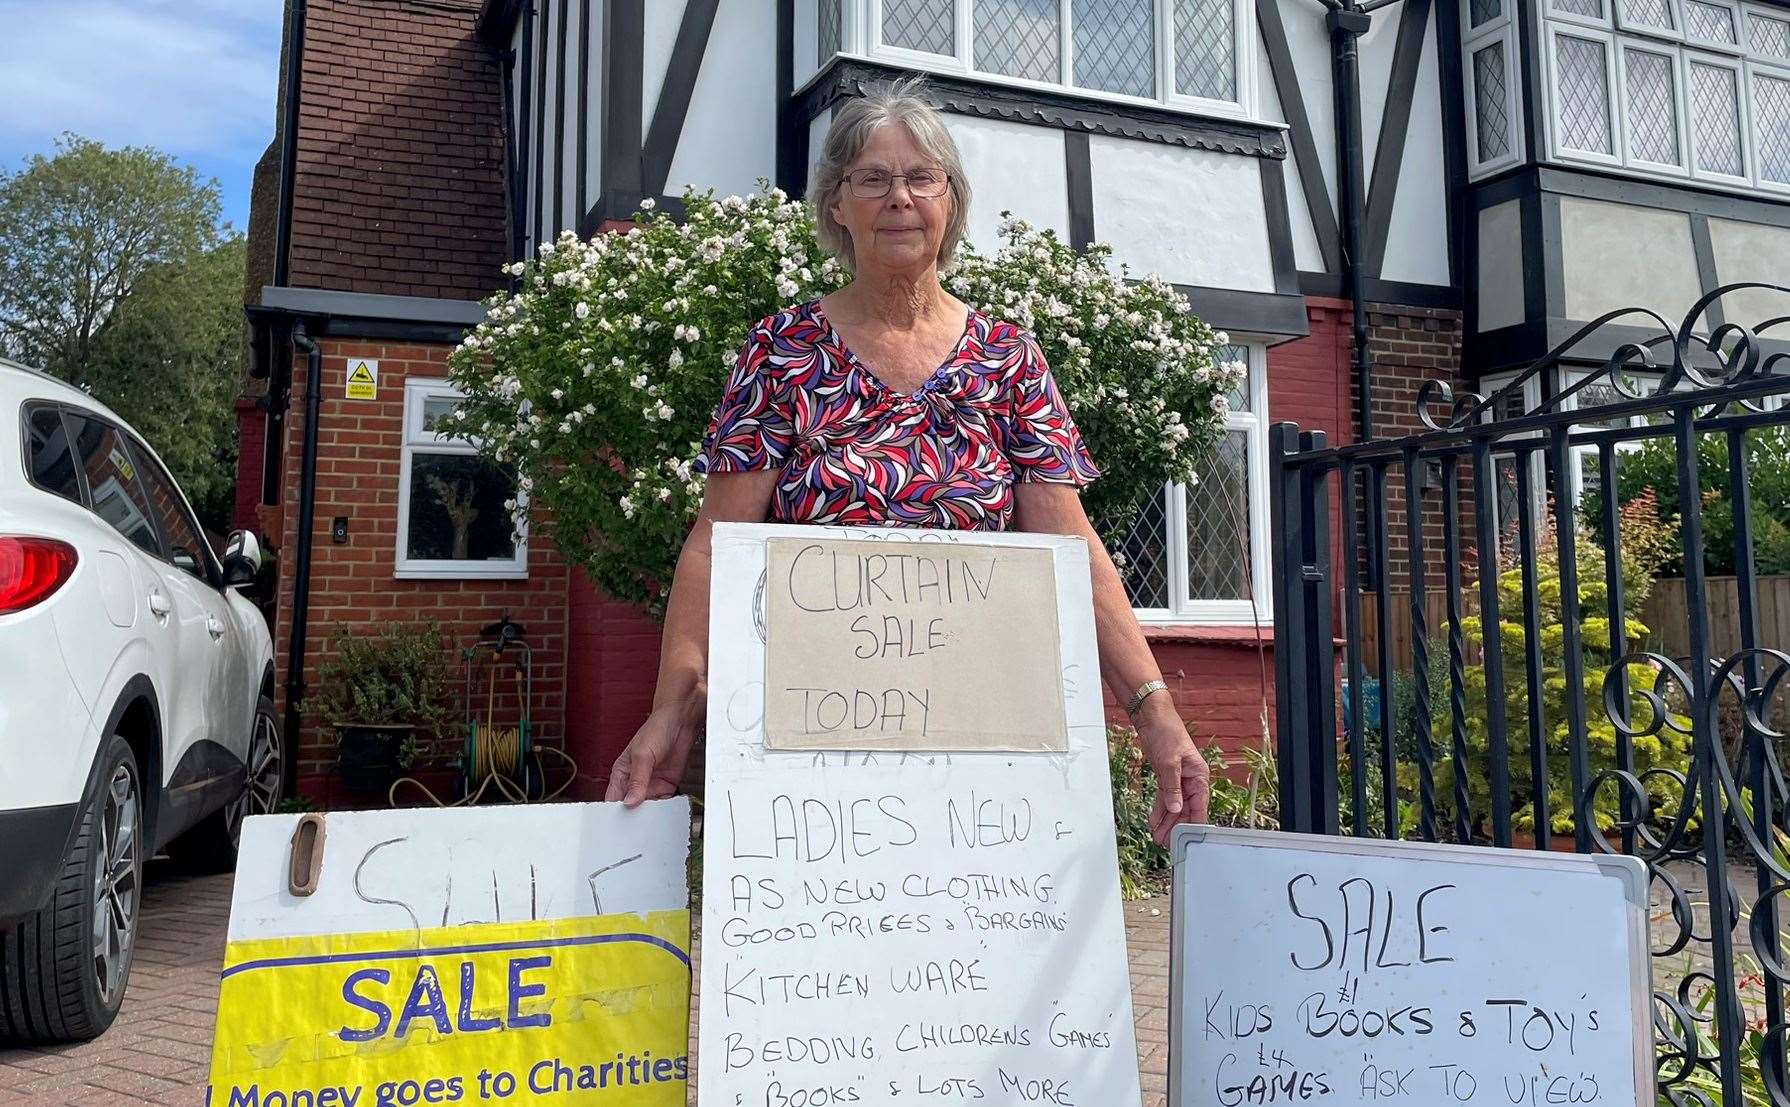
(1242, 637)
(459, 572)
(972, 93)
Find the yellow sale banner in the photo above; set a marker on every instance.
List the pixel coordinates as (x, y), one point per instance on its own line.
(591, 1010)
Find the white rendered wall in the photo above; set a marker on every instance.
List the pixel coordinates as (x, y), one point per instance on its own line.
(1193, 216)
(1012, 166)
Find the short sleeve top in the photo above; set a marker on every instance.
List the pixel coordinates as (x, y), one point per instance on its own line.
(850, 450)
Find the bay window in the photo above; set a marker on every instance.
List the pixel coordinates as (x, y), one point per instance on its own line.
(1689, 89)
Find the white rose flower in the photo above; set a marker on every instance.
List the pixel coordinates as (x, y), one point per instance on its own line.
(664, 410)
(675, 360)
(581, 310)
(648, 204)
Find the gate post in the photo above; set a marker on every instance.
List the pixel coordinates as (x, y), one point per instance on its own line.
(1304, 650)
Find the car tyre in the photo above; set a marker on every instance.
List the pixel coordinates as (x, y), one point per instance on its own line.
(210, 846)
(63, 970)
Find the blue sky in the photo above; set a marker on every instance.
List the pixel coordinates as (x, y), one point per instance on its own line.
(195, 78)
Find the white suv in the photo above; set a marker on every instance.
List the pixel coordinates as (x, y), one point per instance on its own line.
(135, 708)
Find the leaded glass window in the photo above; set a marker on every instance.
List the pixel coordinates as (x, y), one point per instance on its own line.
(831, 28)
(1218, 538)
(1770, 36)
(1771, 126)
(1584, 91)
(928, 26)
(1648, 13)
(1715, 119)
(1481, 12)
(1491, 100)
(1206, 49)
(1019, 38)
(1115, 45)
(1590, 9)
(1652, 107)
(1710, 22)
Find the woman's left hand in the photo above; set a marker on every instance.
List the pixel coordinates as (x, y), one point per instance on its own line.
(1183, 779)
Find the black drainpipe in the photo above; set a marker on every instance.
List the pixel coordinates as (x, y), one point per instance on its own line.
(1347, 23)
(295, 50)
(307, 510)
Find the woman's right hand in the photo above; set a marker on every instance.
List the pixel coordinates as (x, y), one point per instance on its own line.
(653, 764)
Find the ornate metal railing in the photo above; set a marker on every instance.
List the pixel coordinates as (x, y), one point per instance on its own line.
(1516, 507)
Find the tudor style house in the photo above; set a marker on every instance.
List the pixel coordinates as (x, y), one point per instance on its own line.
(1448, 187)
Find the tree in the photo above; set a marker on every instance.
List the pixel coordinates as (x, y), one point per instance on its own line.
(77, 233)
(170, 364)
(115, 276)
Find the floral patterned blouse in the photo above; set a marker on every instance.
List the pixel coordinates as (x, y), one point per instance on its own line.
(848, 449)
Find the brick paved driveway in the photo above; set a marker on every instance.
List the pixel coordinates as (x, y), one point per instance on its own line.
(160, 1048)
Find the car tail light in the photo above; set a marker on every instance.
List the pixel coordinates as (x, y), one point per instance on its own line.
(31, 569)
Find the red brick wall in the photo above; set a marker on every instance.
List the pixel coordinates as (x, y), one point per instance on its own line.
(1412, 346)
(251, 449)
(399, 186)
(352, 586)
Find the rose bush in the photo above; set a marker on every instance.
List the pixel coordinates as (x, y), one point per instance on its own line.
(596, 377)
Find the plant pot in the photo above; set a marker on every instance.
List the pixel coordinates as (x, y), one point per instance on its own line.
(367, 755)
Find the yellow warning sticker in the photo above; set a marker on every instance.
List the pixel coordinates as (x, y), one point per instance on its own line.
(568, 1011)
(363, 378)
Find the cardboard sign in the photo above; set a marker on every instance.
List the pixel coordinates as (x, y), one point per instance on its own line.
(884, 646)
(1352, 971)
(895, 926)
(532, 954)
(363, 378)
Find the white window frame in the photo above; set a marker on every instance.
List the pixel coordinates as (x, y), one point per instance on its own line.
(1743, 109)
(1680, 111)
(1182, 611)
(1674, 34)
(1740, 31)
(418, 390)
(1613, 104)
(863, 26)
(1503, 31)
(1748, 11)
(1777, 71)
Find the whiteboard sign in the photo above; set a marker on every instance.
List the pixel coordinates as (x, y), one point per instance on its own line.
(1348, 971)
(908, 926)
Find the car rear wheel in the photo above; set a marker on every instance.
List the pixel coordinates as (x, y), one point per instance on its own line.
(211, 845)
(63, 969)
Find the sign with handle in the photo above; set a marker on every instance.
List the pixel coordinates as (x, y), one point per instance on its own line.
(536, 954)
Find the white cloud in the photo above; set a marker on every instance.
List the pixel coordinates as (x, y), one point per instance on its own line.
(192, 77)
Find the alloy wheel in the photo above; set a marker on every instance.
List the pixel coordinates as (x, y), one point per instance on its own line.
(116, 884)
(261, 791)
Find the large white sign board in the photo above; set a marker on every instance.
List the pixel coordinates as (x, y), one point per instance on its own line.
(1350, 971)
(918, 926)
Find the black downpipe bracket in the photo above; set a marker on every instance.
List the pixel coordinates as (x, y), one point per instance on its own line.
(1347, 23)
(307, 511)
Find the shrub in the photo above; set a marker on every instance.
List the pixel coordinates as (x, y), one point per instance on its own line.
(596, 378)
(1646, 541)
(1653, 465)
(397, 677)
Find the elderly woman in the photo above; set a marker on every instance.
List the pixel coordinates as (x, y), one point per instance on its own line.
(893, 403)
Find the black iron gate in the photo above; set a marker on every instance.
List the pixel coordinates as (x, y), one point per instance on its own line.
(1496, 683)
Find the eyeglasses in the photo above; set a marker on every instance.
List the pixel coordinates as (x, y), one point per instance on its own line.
(874, 184)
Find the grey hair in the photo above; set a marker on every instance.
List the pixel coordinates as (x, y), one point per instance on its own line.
(901, 103)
